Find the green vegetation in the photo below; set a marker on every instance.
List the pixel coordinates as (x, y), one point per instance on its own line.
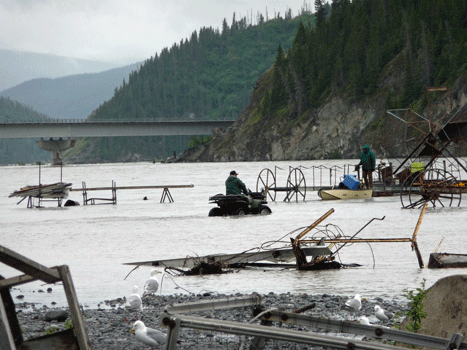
(52, 329)
(199, 140)
(415, 314)
(68, 323)
(354, 42)
(209, 76)
(19, 151)
(352, 49)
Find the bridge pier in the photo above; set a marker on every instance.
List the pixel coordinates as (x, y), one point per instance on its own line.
(56, 147)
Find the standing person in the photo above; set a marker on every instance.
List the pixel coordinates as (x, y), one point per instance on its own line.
(233, 185)
(368, 163)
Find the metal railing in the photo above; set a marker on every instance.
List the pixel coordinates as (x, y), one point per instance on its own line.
(106, 121)
(173, 319)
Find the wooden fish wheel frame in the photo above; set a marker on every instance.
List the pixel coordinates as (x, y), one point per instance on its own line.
(435, 187)
(266, 181)
(296, 185)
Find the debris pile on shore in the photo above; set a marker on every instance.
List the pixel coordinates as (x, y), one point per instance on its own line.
(109, 327)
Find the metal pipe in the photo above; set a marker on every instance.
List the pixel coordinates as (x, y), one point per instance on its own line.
(371, 331)
(369, 222)
(358, 240)
(225, 303)
(312, 226)
(281, 334)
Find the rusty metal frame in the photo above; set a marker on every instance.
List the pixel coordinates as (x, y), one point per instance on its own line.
(301, 258)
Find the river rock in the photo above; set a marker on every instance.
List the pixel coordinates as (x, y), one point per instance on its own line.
(71, 203)
(56, 315)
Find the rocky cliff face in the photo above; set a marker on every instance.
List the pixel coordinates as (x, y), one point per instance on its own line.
(337, 129)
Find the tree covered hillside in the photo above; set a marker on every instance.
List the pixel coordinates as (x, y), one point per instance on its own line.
(351, 46)
(328, 94)
(15, 151)
(208, 76)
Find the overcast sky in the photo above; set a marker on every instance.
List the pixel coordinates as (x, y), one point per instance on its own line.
(119, 31)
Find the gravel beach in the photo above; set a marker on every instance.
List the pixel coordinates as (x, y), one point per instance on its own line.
(109, 325)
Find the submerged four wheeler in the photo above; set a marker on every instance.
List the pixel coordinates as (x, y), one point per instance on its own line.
(237, 204)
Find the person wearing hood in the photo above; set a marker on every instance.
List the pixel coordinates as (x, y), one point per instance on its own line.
(368, 163)
(233, 185)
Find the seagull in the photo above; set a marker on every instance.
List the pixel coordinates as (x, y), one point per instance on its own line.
(152, 284)
(383, 315)
(364, 320)
(353, 305)
(134, 302)
(148, 336)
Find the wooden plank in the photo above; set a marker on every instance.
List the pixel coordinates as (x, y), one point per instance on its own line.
(28, 266)
(6, 338)
(64, 340)
(16, 281)
(130, 187)
(9, 307)
(75, 312)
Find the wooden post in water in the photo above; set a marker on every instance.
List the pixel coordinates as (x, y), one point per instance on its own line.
(414, 237)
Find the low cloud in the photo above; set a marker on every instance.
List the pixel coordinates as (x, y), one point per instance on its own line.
(117, 31)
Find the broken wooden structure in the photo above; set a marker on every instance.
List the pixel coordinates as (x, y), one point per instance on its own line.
(113, 200)
(10, 333)
(319, 250)
(51, 192)
(43, 193)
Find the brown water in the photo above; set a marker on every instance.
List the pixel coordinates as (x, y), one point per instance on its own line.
(96, 240)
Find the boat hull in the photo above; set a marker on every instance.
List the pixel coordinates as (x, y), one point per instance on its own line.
(336, 194)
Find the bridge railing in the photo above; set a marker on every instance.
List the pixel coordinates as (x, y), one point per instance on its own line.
(108, 121)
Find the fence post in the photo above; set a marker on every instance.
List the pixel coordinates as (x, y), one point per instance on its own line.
(173, 324)
(455, 341)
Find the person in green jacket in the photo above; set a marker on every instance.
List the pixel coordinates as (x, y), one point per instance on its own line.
(368, 163)
(233, 185)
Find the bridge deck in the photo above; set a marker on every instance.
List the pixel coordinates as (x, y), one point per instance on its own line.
(111, 128)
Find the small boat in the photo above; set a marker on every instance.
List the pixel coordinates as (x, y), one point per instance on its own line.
(333, 194)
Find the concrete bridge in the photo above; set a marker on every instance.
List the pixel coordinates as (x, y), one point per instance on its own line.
(59, 135)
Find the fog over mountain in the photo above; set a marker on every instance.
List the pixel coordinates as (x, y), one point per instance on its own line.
(17, 67)
(70, 97)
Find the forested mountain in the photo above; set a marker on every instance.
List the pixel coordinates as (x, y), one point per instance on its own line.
(70, 97)
(14, 151)
(328, 94)
(208, 76)
(19, 66)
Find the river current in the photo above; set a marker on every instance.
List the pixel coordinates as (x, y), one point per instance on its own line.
(96, 240)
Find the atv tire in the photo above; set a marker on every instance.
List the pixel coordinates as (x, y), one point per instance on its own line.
(264, 210)
(215, 212)
(240, 212)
